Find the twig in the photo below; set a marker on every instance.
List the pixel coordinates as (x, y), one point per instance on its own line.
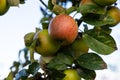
(43, 3)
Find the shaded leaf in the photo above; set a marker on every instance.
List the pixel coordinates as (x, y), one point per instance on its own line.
(60, 62)
(100, 41)
(97, 20)
(91, 8)
(23, 74)
(87, 74)
(33, 68)
(91, 61)
(56, 74)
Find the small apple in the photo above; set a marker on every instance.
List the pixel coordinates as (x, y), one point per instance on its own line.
(71, 74)
(79, 47)
(28, 39)
(104, 2)
(46, 46)
(114, 13)
(64, 28)
(3, 7)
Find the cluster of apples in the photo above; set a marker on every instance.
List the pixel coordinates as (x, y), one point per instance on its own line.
(5, 5)
(62, 33)
(106, 8)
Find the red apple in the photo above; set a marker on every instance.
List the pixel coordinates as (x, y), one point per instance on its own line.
(64, 28)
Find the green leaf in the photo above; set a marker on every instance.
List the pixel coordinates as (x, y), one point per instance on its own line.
(60, 62)
(58, 9)
(87, 74)
(71, 9)
(33, 68)
(100, 41)
(50, 5)
(91, 8)
(97, 20)
(10, 76)
(23, 74)
(91, 61)
(55, 74)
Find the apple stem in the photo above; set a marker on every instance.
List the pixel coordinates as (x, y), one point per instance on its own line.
(32, 47)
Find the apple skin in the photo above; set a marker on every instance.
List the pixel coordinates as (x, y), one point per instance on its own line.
(64, 28)
(114, 12)
(79, 47)
(3, 7)
(104, 2)
(46, 46)
(71, 74)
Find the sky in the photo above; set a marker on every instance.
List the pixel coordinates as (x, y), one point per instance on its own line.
(23, 19)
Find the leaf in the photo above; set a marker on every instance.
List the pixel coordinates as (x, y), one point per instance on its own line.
(87, 74)
(23, 74)
(97, 19)
(10, 76)
(33, 68)
(56, 74)
(58, 9)
(99, 41)
(91, 8)
(71, 9)
(91, 61)
(60, 62)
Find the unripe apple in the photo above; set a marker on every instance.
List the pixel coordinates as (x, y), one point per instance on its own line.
(45, 45)
(64, 28)
(71, 74)
(114, 13)
(104, 2)
(79, 47)
(3, 7)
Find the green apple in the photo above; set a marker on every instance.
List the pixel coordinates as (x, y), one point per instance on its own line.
(71, 74)
(79, 47)
(114, 13)
(45, 45)
(28, 39)
(3, 7)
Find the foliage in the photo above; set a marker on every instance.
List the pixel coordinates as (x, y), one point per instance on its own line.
(97, 38)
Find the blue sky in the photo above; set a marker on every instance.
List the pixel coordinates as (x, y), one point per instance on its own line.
(23, 19)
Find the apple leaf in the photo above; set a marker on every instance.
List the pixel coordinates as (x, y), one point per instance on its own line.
(97, 19)
(55, 74)
(33, 68)
(91, 8)
(87, 74)
(100, 41)
(60, 62)
(91, 61)
(58, 9)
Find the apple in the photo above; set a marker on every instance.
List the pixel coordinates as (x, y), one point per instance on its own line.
(45, 45)
(28, 39)
(71, 74)
(64, 28)
(114, 13)
(3, 7)
(79, 47)
(104, 2)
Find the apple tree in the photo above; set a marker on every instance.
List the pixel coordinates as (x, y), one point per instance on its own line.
(73, 36)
